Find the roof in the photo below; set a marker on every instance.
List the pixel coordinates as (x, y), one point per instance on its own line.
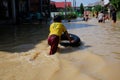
(62, 4)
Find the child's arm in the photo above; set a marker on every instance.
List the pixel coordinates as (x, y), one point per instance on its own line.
(68, 36)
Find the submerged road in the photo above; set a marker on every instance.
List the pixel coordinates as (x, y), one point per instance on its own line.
(99, 38)
(97, 59)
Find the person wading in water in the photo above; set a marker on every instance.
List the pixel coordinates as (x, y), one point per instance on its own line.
(56, 30)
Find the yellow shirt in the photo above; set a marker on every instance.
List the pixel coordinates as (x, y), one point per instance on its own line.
(57, 28)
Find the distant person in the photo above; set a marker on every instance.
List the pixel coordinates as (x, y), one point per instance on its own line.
(114, 16)
(86, 17)
(56, 30)
(96, 14)
(100, 17)
(93, 15)
(104, 18)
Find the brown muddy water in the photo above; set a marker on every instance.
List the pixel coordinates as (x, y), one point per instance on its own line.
(24, 53)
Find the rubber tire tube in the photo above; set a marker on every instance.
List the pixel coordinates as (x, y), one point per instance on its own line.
(65, 42)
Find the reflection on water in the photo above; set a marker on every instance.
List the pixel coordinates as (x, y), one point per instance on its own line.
(97, 59)
(13, 35)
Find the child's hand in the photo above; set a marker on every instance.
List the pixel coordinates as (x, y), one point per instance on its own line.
(71, 41)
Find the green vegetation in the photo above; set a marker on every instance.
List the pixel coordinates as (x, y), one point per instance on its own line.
(71, 16)
(118, 15)
(115, 4)
(81, 9)
(98, 8)
(68, 16)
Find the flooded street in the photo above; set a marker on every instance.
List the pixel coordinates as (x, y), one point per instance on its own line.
(24, 53)
(102, 39)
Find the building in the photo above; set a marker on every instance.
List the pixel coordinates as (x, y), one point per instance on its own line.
(15, 11)
(61, 5)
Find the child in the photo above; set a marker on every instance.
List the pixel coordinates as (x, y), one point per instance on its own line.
(56, 30)
(100, 17)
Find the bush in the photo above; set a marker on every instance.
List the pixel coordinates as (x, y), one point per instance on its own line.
(71, 16)
(118, 15)
(68, 16)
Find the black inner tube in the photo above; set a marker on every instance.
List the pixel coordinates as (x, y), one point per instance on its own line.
(65, 42)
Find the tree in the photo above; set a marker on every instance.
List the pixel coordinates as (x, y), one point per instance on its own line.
(81, 8)
(115, 4)
(69, 8)
(98, 8)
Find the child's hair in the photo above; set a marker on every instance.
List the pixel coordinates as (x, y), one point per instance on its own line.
(57, 18)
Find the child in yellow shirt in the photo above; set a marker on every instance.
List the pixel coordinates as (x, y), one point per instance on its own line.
(56, 30)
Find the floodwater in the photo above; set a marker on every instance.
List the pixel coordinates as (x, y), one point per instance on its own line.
(24, 53)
